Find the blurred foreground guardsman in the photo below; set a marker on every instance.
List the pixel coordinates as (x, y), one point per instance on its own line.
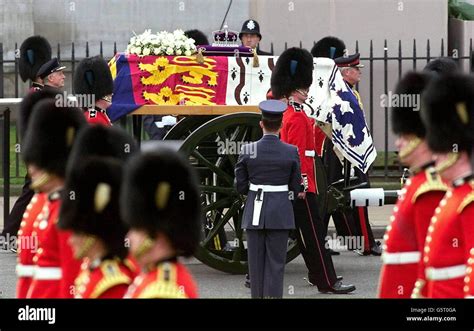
(93, 84)
(448, 115)
(405, 236)
(27, 242)
(268, 172)
(90, 209)
(34, 52)
(49, 139)
(291, 79)
(161, 205)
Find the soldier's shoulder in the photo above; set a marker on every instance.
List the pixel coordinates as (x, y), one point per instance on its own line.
(467, 200)
(163, 283)
(432, 183)
(291, 148)
(111, 273)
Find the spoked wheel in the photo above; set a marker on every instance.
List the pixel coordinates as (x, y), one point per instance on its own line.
(213, 150)
(186, 126)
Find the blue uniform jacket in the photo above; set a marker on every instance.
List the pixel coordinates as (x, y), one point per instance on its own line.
(269, 161)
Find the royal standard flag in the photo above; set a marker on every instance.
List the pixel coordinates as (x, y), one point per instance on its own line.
(181, 80)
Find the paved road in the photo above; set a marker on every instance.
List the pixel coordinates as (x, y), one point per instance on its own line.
(363, 271)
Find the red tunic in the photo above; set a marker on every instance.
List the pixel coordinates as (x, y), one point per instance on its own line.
(97, 116)
(298, 130)
(167, 280)
(405, 236)
(28, 244)
(449, 243)
(56, 269)
(107, 279)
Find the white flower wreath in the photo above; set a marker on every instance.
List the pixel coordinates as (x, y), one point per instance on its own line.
(162, 43)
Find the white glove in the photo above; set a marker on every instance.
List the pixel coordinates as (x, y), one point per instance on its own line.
(166, 120)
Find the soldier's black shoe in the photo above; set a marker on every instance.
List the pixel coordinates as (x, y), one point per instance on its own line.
(333, 252)
(312, 283)
(338, 288)
(375, 250)
(247, 281)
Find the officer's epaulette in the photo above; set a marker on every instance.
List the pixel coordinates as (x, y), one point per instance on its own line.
(468, 199)
(166, 285)
(112, 276)
(433, 183)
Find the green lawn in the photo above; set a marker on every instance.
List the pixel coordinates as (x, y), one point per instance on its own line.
(16, 179)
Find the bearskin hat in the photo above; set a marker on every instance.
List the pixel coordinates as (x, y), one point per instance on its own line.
(330, 47)
(28, 103)
(90, 203)
(51, 133)
(198, 36)
(405, 118)
(442, 66)
(34, 52)
(93, 76)
(102, 141)
(293, 70)
(161, 195)
(448, 113)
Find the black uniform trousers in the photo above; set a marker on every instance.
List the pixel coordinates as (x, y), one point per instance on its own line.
(311, 241)
(12, 224)
(353, 221)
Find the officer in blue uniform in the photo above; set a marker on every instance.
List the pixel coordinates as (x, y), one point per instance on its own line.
(268, 172)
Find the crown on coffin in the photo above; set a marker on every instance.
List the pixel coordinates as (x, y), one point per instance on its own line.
(225, 37)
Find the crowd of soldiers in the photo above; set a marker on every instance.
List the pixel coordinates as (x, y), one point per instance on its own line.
(430, 240)
(97, 218)
(100, 219)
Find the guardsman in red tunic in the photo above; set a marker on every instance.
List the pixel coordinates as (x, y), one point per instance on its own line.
(50, 136)
(27, 239)
(405, 236)
(291, 79)
(94, 175)
(93, 87)
(448, 115)
(98, 237)
(160, 202)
